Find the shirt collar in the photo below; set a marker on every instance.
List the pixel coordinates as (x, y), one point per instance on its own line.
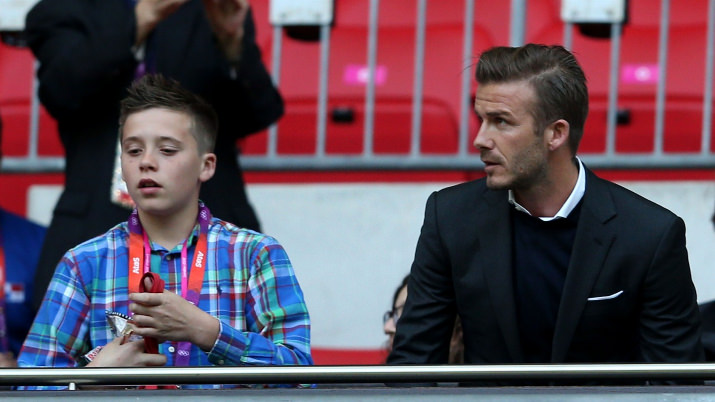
(571, 202)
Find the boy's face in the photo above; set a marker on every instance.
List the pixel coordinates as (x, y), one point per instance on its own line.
(161, 163)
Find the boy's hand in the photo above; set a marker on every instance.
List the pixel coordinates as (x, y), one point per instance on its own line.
(169, 317)
(129, 354)
(226, 18)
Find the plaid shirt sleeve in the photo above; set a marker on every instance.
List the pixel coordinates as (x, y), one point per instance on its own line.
(278, 325)
(58, 334)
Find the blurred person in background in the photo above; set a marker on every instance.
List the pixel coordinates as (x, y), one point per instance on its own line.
(392, 316)
(20, 242)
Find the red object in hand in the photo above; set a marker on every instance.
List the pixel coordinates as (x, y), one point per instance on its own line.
(157, 286)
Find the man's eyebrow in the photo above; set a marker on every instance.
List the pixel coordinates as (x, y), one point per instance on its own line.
(498, 113)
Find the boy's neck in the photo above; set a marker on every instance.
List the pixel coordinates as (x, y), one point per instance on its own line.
(170, 230)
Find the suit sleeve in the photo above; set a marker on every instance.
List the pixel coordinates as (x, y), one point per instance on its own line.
(425, 327)
(670, 319)
(84, 50)
(257, 103)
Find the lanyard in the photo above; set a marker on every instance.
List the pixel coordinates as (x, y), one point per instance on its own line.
(4, 347)
(140, 263)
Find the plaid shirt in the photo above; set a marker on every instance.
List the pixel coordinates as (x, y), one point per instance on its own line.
(249, 285)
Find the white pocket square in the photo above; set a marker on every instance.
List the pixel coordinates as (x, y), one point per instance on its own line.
(609, 297)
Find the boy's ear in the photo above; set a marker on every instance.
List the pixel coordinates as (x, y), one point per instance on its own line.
(208, 167)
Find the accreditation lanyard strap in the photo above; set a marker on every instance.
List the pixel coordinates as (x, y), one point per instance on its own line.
(191, 284)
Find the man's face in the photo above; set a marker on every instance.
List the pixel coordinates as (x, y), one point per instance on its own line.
(161, 163)
(514, 156)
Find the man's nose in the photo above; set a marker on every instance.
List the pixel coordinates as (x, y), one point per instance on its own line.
(482, 140)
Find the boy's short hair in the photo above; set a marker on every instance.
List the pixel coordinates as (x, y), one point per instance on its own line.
(156, 91)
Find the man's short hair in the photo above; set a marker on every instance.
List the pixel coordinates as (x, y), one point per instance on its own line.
(156, 91)
(558, 81)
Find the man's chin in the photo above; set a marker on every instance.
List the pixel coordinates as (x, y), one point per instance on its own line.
(493, 183)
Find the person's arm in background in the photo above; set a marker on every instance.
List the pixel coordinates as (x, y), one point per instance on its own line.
(249, 102)
(86, 48)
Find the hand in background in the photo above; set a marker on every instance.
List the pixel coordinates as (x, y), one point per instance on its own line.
(226, 18)
(150, 12)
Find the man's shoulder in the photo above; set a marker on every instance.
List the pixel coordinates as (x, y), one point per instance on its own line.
(472, 187)
(467, 193)
(627, 202)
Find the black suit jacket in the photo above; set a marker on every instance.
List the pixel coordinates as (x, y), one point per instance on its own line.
(623, 243)
(86, 64)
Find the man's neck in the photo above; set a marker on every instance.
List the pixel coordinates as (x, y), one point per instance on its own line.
(547, 197)
(170, 230)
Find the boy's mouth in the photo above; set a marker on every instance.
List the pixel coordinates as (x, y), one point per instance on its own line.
(147, 183)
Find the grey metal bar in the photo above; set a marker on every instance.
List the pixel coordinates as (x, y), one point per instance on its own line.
(350, 374)
(272, 145)
(34, 139)
(419, 77)
(613, 89)
(449, 162)
(11, 164)
(517, 29)
(323, 89)
(568, 35)
(662, 74)
(369, 134)
(466, 107)
(708, 91)
(396, 162)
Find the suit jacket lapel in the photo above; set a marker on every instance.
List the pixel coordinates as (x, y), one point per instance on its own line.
(495, 244)
(591, 244)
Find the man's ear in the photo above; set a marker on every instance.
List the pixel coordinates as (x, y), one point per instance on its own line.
(557, 134)
(208, 166)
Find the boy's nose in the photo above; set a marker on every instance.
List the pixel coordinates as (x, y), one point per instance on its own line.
(147, 162)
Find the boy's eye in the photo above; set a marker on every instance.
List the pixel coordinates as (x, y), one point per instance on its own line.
(133, 151)
(168, 151)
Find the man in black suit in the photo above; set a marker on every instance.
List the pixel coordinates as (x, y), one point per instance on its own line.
(543, 261)
(90, 52)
